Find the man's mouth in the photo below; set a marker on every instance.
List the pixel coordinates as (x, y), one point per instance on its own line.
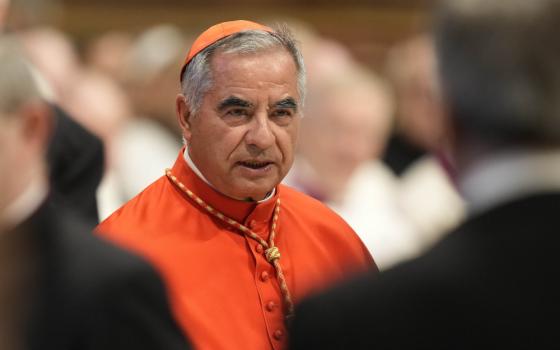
(254, 164)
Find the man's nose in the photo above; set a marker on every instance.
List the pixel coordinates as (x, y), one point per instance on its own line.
(260, 132)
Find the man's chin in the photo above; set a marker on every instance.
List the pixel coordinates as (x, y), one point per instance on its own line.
(255, 193)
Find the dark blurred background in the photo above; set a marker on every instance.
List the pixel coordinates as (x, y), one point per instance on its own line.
(367, 27)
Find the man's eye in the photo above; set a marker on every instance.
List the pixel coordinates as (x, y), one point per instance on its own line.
(237, 112)
(282, 113)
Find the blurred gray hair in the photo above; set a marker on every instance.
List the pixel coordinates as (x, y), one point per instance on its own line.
(17, 84)
(197, 78)
(500, 70)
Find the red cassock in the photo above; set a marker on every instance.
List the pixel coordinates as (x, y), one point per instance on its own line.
(223, 291)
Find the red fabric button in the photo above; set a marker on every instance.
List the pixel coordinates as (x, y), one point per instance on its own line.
(270, 306)
(264, 276)
(259, 248)
(278, 334)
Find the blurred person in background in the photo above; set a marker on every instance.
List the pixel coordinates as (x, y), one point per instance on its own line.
(347, 121)
(489, 283)
(150, 74)
(419, 146)
(420, 125)
(237, 248)
(107, 53)
(61, 287)
(54, 55)
(147, 139)
(99, 103)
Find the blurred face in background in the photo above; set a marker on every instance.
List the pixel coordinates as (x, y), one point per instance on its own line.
(420, 115)
(242, 138)
(343, 129)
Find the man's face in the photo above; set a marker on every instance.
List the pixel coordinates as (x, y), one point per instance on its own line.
(243, 137)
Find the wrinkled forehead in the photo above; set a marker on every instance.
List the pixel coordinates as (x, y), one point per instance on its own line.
(271, 69)
(265, 55)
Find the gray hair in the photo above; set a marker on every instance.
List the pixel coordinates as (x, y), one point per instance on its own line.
(500, 71)
(17, 84)
(197, 78)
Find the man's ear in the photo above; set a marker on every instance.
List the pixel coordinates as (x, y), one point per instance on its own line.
(38, 123)
(183, 112)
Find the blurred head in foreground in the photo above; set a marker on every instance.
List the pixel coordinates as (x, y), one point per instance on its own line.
(25, 123)
(502, 90)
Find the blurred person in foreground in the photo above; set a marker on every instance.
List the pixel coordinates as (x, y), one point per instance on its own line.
(419, 145)
(61, 287)
(236, 248)
(488, 283)
(53, 53)
(347, 120)
(75, 155)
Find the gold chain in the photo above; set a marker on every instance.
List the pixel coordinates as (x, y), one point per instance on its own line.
(272, 254)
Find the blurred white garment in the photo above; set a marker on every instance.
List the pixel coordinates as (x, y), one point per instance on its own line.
(430, 201)
(141, 153)
(370, 206)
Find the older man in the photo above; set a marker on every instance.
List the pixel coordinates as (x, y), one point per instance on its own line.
(490, 283)
(61, 287)
(236, 248)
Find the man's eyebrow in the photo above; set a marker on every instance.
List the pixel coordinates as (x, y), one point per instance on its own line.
(287, 103)
(233, 101)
